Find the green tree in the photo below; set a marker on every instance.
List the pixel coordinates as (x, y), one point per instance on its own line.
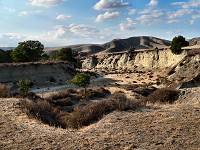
(44, 57)
(52, 55)
(24, 86)
(28, 51)
(82, 80)
(64, 54)
(177, 43)
(5, 56)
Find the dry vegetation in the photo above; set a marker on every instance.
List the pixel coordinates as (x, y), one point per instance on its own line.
(67, 110)
(4, 90)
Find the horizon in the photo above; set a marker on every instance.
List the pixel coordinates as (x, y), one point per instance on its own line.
(59, 23)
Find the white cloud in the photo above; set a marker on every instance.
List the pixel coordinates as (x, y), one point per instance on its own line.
(10, 10)
(25, 13)
(129, 24)
(192, 21)
(173, 21)
(107, 15)
(189, 4)
(45, 3)
(179, 13)
(63, 17)
(83, 30)
(150, 16)
(111, 4)
(196, 16)
(153, 2)
(60, 32)
(132, 12)
(173, 32)
(11, 36)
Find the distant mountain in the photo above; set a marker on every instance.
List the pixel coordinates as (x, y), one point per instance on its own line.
(194, 41)
(6, 48)
(119, 45)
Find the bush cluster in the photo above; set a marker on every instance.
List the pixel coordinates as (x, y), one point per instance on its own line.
(64, 109)
(53, 110)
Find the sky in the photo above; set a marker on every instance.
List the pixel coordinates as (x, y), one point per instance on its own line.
(68, 22)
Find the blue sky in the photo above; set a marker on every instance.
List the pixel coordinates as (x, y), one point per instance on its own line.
(67, 22)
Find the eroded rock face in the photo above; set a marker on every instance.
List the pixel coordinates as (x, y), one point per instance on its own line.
(149, 59)
(187, 70)
(38, 73)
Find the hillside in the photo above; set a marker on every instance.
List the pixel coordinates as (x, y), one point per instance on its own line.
(194, 41)
(119, 45)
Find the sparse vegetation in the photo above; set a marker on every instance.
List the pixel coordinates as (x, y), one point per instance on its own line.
(177, 44)
(164, 95)
(4, 90)
(76, 115)
(51, 113)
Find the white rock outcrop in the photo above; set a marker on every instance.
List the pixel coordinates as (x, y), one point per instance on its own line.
(147, 59)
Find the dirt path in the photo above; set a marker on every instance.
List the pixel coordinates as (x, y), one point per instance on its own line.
(174, 126)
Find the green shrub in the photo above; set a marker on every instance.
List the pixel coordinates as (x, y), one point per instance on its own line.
(24, 86)
(81, 79)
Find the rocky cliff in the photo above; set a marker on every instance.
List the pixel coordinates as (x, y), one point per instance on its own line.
(38, 73)
(140, 60)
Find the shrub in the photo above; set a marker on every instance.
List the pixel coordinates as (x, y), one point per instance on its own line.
(41, 110)
(24, 86)
(4, 90)
(95, 92)
(64, 54)
(164, 95)
(119, 101)
(51, 114)
(96, 110)
(81, 79)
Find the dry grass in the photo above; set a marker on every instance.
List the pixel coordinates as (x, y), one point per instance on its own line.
(4, 90)
(50, 114)
(193, 52)
(54, 110)
(164, 95)
(95, 111)
(41, 110)
(99, 92)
